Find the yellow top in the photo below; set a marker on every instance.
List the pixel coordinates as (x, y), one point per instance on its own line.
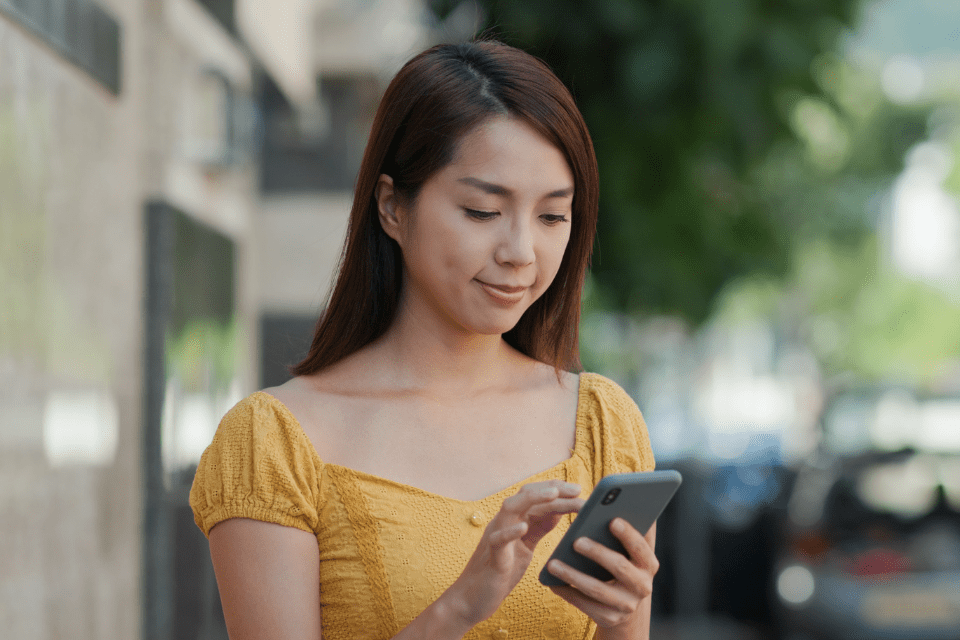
(387, 550)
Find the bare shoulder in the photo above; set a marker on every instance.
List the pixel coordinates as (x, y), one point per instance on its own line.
(544, 382)
(549, 404)
(325, 386)
(320, 403)
(295, 394)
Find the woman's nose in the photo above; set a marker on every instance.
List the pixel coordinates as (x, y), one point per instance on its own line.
(516, 245)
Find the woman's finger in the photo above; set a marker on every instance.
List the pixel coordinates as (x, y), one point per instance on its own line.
(611, 603)
(620, 566)
(502, 536)
(604, 615)
(638, 546)
(538, 492)
(558, 506)
(544, 517)
(607, 594)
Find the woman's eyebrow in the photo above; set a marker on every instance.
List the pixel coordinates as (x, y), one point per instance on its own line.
(499, 190)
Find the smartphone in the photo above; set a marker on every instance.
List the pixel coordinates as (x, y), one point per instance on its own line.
(638, 498)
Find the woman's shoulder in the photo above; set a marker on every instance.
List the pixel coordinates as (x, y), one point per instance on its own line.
(259, 409)
(600, 390)
(261, 423)
(618, 428)
(320, 405)
(286, 398)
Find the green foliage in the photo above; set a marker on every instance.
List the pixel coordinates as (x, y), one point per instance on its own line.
(952, 182)
(723, 128)
(203, 355)
(856, 313)
(878, 323)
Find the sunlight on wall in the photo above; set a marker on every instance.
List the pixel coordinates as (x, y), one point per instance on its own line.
(80, 428)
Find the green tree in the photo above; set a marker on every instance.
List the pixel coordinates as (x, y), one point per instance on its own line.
(713, 122)
(842, 296)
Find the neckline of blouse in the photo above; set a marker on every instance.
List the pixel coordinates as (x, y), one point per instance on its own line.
(576, 453)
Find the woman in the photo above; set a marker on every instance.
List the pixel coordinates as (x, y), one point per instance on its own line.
(414, 476)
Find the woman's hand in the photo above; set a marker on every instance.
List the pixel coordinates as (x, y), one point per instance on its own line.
(623, 603)
(507, 545)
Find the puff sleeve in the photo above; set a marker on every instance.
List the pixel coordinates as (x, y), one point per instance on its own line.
(260, 465)
(619, 438)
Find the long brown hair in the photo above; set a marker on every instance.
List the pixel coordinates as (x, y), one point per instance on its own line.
(431, 104)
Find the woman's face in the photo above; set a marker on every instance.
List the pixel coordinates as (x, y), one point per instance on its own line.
(487, 233)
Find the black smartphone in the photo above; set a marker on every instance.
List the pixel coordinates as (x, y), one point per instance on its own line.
(638, 498)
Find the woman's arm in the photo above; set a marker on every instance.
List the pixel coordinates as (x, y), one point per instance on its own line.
(269, 575)
(269, 580)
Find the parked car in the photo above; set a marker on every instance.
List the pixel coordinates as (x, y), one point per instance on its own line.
(871, 548)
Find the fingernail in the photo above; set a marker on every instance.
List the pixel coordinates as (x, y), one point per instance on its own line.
(572, 486)
(581, 544)
(617, 525)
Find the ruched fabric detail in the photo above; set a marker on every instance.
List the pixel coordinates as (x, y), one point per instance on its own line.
(269, 473)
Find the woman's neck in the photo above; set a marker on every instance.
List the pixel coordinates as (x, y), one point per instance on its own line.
(418, 355)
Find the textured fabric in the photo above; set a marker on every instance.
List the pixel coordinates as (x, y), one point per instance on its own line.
(387, 550)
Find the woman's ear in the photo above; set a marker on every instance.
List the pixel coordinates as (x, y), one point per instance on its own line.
(388, 206)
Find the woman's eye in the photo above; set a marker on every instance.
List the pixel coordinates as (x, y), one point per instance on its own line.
(480, 215)
(553, 218)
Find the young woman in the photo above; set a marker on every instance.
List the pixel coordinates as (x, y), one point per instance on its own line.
(415, 475)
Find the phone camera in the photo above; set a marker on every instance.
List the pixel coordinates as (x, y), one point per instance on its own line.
(611, 496)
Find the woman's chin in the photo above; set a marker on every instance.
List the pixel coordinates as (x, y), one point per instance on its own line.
(496, 326)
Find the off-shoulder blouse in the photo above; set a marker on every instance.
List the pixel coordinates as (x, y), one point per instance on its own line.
(387, 550)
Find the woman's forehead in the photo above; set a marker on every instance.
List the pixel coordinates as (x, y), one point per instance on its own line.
(504, 154)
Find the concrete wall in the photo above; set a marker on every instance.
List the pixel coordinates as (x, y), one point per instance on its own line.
(77, 165)
(300, 238)
(70, 331)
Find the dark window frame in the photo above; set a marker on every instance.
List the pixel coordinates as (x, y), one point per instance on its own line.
(80, 31)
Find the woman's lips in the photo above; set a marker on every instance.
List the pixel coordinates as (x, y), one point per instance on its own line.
(507, 294)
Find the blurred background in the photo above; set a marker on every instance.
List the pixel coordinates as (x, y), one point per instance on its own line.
(776, 282)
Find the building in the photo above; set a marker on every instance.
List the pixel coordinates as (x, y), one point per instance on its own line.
(174, 186)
